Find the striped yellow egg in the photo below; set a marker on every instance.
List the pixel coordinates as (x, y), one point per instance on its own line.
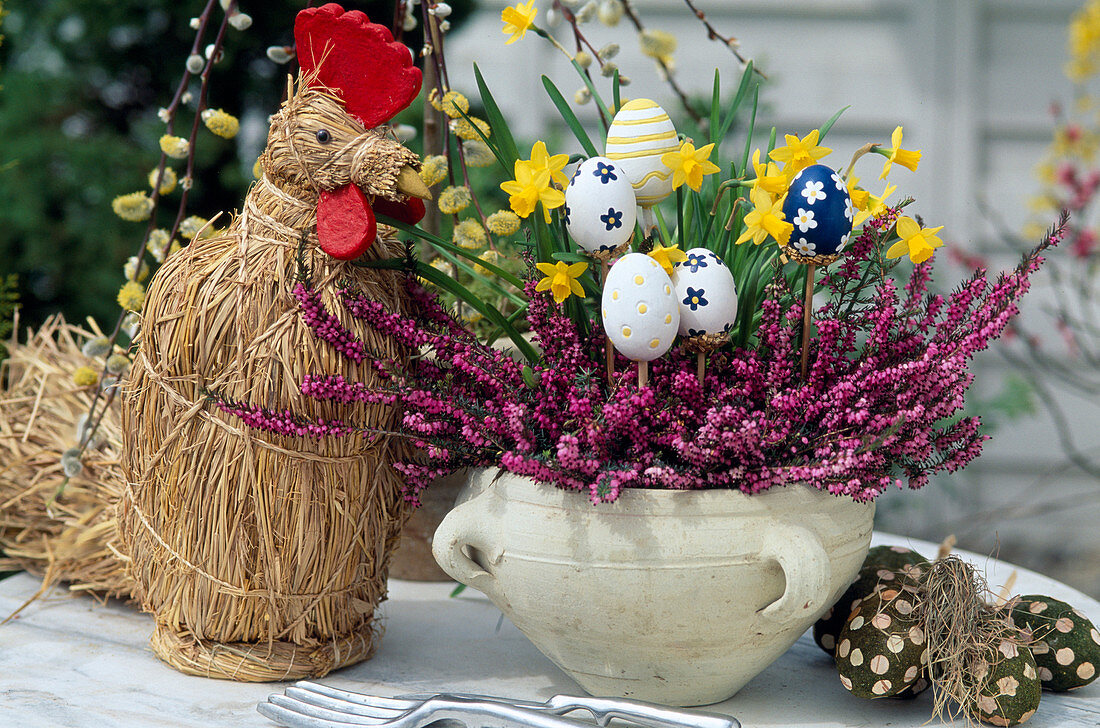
(639, 134)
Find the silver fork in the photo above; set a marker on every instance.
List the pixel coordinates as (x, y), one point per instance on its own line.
(356, 706)
(300, 708)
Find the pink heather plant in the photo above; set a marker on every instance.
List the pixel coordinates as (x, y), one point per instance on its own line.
(881, 404)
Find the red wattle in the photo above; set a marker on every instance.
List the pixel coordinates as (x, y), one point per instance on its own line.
(409, 212)
(345, 223)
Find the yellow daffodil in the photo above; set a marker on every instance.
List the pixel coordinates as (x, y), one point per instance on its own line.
(531, 187)
(689, 165)
(517, 19)
(561, 279)
(916, 241)
(768, 176)
(868, 205)
(876, 204)
(766, 218)
(798, 154)
(667, 257)
(858, 194)
(905, 157)
(541, 159)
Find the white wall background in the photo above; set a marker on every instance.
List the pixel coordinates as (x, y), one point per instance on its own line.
(971, 81)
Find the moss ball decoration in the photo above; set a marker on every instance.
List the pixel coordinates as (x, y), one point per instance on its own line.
(1065, 643)
(880, 568)
(1010, 687)
(881, 650)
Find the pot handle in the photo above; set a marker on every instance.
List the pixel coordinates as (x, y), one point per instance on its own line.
(807, 571)
(465, 547)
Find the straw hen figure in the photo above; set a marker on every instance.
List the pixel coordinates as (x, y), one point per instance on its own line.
(263, 557)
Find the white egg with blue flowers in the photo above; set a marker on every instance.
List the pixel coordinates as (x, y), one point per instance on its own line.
(705, 291)
(600, 207)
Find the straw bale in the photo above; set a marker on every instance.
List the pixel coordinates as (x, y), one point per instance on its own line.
(65, 536)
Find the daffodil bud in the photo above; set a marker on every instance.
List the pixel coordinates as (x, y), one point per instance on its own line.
(195, 63)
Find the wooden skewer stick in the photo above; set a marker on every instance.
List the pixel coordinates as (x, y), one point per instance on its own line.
(807, 309)
(700, 366)
(609, 350)
(643, 374)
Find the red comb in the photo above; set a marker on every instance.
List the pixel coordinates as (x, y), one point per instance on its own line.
(373, 74)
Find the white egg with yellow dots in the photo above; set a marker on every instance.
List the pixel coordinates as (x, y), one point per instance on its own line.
(639, 135)
(640, 312)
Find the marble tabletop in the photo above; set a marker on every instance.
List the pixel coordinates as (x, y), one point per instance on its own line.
(71, 662)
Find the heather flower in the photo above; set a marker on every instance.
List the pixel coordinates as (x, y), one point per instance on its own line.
(167, 181)
(131, 296)
(133, 207)
(85, 377)
(174, 146)
(469, 234)
(433, 170)
(454, 199)
(503, 222)
(221, 123)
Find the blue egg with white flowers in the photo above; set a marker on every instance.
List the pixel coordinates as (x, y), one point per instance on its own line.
(821, 210)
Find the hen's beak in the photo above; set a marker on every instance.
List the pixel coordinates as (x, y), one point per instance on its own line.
(409, 183)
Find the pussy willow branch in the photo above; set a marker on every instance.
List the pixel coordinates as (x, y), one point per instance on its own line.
(713, 34)
(684, 101)
(95, 418)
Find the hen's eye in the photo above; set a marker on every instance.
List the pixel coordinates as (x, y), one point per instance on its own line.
(323, 136)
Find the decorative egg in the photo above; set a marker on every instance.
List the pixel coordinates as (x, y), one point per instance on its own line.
(1008, 688)
(1066, 644)
(704, 287)
(600, 208)
(639, 134)
(640, 314)
(884, 566)
(821, 210)
(882, 649)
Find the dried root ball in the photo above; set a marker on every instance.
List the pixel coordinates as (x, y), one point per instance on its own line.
(1065, 643)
